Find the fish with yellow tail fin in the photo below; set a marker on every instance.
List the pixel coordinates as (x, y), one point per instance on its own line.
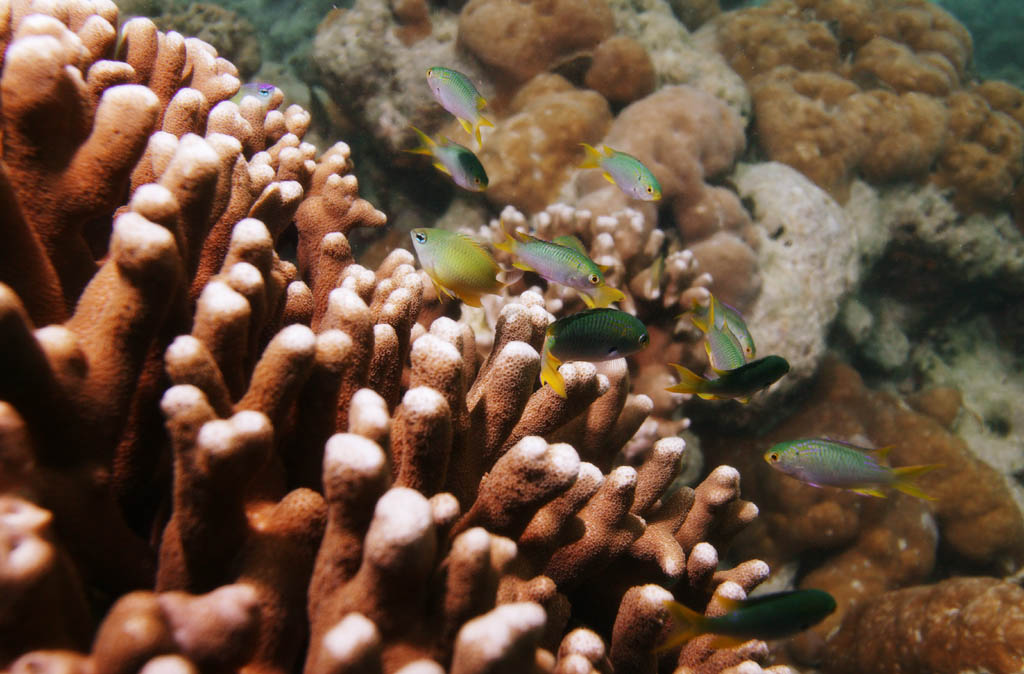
(457, 94)
(592, 335)
(718, 314)
(457, 264)
(453, 160)
(560, 264)
(769, 616)
(829, 463)
(740, 383)
(624, 171)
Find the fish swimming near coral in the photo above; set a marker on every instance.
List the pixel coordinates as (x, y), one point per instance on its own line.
(724, 350)
(261, 91)
(624, 171)
(453, 160)
(457, 94)
(561, 264)
(721, 315)
(458, 265)
(740, 383)
(592, 335)
(769, 616)
(821, 462)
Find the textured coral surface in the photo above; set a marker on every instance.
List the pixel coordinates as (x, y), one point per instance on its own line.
(222, 456)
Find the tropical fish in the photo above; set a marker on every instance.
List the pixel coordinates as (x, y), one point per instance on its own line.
(454, 160)
(261, 91)
(624, 171)
(457, 94)
(572, 241)
(457, 264)
(821, 462)
(740, 383)
(769, 616)
(561, 264)
(723, 349)
(719, 313)
(592, 335)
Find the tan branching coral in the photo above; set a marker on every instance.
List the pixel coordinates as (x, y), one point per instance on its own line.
(244, 457)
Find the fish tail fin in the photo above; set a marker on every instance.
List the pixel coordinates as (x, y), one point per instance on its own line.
(467, 125)
(906, 474)
(508, 244)
(480, 123)
(549, 373)
(602, 296)
(509, 276)
(689, 381)
(427, 143)
(686, 624)
(593, 158)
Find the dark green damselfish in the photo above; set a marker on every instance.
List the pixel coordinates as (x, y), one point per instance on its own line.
(740, 383)
(592, 335)
(770, 616)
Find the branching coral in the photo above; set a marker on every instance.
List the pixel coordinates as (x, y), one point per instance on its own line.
(333, 466)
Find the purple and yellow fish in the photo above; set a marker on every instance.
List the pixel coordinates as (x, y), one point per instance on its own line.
(591, 335)
(720, 315)
(561, 264)
(624, 171)
(457, 94)
(457, 264)
(453, 160)
(829, 463)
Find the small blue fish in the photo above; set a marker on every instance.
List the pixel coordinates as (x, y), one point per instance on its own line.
(453, 160)
(261, 91)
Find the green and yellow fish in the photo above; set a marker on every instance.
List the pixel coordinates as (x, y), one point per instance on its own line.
(561, 264)
(769, 616)
(740, 383)
(720, 314)
(457, 94)
(829, 463)
(457, 264)
(723, 349)
(454, 160)
(572, 241)
(592, 335)
(624, 171)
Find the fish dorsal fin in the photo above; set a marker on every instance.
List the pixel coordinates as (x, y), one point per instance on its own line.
(605, 269)
(881, 452)
(476, 244)
(442, 168)
(608, 152)
(523, 237)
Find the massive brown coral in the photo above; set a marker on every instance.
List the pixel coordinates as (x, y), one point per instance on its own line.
(241, 456)
(879, 88)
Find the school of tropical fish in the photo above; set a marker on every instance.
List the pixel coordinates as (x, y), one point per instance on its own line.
(463, 268)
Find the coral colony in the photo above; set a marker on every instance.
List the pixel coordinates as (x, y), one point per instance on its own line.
(226, 445)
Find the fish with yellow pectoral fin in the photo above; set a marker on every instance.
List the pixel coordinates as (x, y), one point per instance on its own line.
(740, 383)
(624, 171)
(769, 616)
(458, 265)
(561, 264)
(821, 462)
(453, 160)
(592, 335)
(458, 95)
(718, 314)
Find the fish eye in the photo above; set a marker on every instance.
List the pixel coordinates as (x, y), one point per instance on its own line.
(420, 237)
(774, 456)
(266, 91)
(644, 339)
(594, 279)
(650, 190)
